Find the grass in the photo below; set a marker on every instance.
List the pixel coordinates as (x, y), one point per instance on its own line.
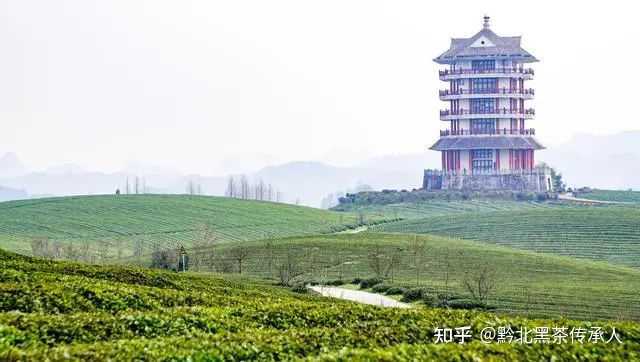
(610, 233)
(526, 283)
(124, 219)
(438, 207)
(612, 195)
(59, 311)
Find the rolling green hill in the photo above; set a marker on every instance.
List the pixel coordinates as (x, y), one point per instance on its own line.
(439, 207)
(609, 233)
(122, 221)
(525, 282)
(612, 195)
(59, 311)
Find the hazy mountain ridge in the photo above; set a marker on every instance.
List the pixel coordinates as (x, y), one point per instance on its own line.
(616, 165)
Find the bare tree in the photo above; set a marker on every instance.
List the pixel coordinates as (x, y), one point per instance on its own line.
(417, 248)
(376, 260)
(138, 248)
(393, 263)
(103, 250)
(70, 251)
(85, 251)
(136, 186)
(231, 187)
(270, 192)
(480, 282)
(279, 196)
(40, 247)
(289, 269)
(239, 254)
(127, 190)
(244, 187)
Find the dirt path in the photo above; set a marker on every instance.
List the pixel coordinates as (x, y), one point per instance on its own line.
(358, 296)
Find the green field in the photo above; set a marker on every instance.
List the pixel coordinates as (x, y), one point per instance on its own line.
(526, 283)
(59, 311)
(612, 195)
(123, 220)
(610, 233)
(439, 207)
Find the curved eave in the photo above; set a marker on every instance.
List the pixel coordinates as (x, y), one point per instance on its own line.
(446, 59)
(489, 142)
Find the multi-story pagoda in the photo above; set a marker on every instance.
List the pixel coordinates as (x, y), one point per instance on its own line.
(487, 144)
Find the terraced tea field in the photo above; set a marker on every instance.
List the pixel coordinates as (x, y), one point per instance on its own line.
(70, 312)
(123, 220)
(612, 195)
(441, 207)
(526, 283)
(609, 233)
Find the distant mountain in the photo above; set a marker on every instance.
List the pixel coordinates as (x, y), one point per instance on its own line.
(607, 161)
(7, 194)
(11, 166)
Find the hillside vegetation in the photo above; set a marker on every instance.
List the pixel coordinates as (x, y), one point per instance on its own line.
(525, 282)
(612, 195)
(439, 207)
(63, 311)
(609, 233)
(121, 222)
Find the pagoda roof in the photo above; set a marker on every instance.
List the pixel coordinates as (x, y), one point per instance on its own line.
(485, 45)
(484, 142)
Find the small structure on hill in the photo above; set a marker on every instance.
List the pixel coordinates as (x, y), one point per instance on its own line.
(487, 145)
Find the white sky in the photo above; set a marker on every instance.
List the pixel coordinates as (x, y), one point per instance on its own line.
(201, 86)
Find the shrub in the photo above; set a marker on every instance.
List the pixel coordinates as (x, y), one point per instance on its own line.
(300, 288)
(413, 294)
(368, 283)
(356, 280)
(336, 282)
(396, 291)
(381, 288)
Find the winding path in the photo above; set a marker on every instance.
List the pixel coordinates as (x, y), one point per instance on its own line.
(358, 296)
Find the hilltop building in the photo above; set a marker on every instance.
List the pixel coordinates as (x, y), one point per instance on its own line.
(487, 145)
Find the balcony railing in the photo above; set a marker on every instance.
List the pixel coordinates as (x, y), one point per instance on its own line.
(446, 72)
(462, 112)
(490, 132)
(446, 92)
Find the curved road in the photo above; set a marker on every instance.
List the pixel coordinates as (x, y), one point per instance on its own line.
(358, 296)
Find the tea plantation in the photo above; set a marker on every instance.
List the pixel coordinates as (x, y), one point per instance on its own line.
(526, 283)
(609, 233)
(121, 221)
(63, 311)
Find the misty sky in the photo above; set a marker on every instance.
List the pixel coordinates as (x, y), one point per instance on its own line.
(215, 86)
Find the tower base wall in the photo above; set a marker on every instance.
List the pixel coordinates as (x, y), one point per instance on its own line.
(532, 181)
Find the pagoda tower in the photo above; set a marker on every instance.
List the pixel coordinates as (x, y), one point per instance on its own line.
(487, 144)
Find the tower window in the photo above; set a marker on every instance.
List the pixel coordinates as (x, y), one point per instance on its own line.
(483, 65)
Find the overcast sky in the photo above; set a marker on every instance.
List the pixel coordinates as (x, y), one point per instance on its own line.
(209, 86)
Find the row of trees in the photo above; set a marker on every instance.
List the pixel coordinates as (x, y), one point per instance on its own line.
(260, 190)
(90, 252)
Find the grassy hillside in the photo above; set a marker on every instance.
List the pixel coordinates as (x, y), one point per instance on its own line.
(438, 207)
(602, 233)
(526, 283)
(121, 221)
(63, 311)
(612, 195)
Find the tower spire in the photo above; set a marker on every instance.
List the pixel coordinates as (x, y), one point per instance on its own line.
(485, 25)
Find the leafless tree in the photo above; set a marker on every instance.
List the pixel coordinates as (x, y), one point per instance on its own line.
(279, 196)
(40, 247)
(70, 251)
(85, 251)
(231, 187)
(480, 282)
(103, 250)
(270, 192)
(138, 248)
(239, 254)
(127, 190)
(377, 260)
(393, 263)
(417, 248)
(136, 185)
(244, 187)
(289, 269)
(361, 217)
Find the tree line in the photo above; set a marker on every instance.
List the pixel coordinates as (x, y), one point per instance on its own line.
(241, 188)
